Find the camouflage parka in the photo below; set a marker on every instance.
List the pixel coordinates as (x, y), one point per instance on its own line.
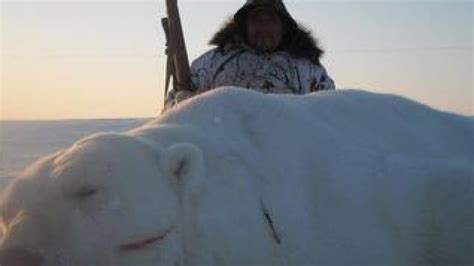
(293, 68)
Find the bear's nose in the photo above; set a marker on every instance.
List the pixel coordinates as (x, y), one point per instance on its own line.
(16, 256)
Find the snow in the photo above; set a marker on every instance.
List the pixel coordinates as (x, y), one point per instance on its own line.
(23, 142)
(377, 178)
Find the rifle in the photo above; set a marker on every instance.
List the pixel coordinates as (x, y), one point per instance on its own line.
(177, 65)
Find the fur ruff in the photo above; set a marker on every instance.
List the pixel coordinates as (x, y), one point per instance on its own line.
(297, 41)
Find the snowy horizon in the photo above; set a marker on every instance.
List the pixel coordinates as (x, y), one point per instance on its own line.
(111, 65)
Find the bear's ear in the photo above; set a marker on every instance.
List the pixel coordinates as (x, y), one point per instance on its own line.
(185, 165)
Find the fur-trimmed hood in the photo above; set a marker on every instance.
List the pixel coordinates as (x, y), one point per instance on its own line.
(298, 41)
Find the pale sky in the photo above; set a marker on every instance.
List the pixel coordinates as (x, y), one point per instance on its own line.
(105, 59)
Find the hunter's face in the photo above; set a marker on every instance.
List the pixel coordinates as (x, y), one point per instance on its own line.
(264, 29)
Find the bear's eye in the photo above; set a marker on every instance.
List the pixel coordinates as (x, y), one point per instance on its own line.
(85, 192)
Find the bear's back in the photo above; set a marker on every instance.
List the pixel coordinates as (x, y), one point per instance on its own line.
(377, 122)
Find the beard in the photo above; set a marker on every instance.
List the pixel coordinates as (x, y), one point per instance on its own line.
(264, 43)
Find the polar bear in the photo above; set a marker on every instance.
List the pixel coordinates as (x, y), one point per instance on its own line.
(235, 177)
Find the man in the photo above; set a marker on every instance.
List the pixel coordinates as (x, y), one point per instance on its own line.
(261, 48)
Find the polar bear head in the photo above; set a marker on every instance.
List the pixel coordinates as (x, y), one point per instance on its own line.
(110, 199)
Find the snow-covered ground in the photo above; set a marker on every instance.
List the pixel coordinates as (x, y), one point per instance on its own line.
(22, 142)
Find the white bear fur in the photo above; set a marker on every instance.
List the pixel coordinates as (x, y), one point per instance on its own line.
(346, 177)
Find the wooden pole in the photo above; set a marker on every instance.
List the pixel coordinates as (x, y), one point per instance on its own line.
(178, 48)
